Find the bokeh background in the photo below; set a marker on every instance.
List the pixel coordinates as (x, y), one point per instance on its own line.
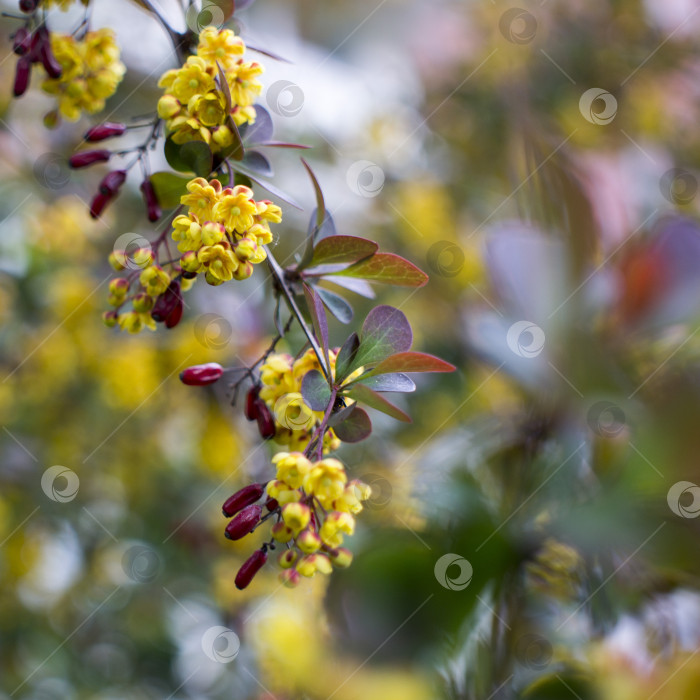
(539, 160)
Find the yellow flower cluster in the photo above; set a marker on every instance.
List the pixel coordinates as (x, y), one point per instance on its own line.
(317, 507)
(224, 232)
(193, 107)
(281, 376)
(91, 72)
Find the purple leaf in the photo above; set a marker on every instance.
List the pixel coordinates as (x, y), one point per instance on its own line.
(374, 400)
(387, 268)
(388, 382)
(261, 129)
(356, 427)
(258, 162)
(346, 357)
(315, 390)
(412, 362)
(385, 331)
(342, 249)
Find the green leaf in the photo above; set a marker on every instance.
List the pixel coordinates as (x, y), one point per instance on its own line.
(412, 362)
(386, 268)
(169, 188)
(346, 357)
(340, 308)
(191, 157)
(315, 390)
(342, 249)
(386, 331)
(374, 400)
(356, 427)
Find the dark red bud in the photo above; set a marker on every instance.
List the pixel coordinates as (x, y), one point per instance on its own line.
(251, 567)
(251, 411)
(48, 60)
(271, 504)
(242, 498)
(153, 209)
(22, 41)
(266, 423)
(201, 375)
(105, 131)
(85, 158)
(175, 316)
(38, 38)
(243, 523)
(188, 275)
(98, 204)
(28, 5)
(23, 71)
(167, 302)
(112, 181)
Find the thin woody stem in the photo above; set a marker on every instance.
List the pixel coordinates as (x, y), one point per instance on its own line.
(278, 274)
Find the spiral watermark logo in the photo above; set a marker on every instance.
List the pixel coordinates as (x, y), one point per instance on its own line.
(445, 258)
(132, 251)
(365, 178)
(51, 171)
(211, 15)
(141, 563)
(292, 412)
(285, 98)
(525, 339)
(678, 186)
(534, 651)
(684, 499)
(606, 419)
(459, 581)
(518, 26)
(213, 331)
(598, 106)
(60, 484)
(382, 491)
(221, 644)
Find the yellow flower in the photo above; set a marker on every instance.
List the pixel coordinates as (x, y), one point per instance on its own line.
(282, 493)
(243, 84)
(291, 468)
(186, 129)
(312, 563)
(326, 481)
(168, 107)
(269, 211)
(351, 499)
(187, 232)
(260, 233)
(192, 79)
(221, 46)
(135, 321)
(235, 209)
(209, 109)
(296, 516)
(308, 541)
(219, 261)
(334, 525)
(155, 280)
(281, 532)
(202, 198)
(247, 249)
(242, 115)
(213, 233)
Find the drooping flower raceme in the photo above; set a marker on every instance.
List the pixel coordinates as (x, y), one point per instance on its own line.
(194, 107)
(313, 504)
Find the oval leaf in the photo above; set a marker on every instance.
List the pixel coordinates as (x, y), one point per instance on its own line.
(374, 400)
(355, 428)
(389, 382)
(260, 131)
(412, 362)
(191, 157)
(342, 249)
(169, 188)
(257, 162)
(386, 268)
(336, 305)
(315, 390)
(386, 331)
(346, 357)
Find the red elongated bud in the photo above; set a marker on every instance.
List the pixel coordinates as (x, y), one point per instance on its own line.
(167, 302)
(247, 495)
(251, 567)
(251, 411)
(28, 5)
(244, 523)
(201, 375)
(175, 316)
(85, 158)
(22, 41)
(41, 52)
(105, 131)
(153, 209)
(266, 423)
(22, 73)
(271, 504)
(112, 181)
(99, 202)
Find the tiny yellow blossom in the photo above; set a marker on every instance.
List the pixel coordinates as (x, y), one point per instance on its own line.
(296, 516)
(326, 481)
(236, 208)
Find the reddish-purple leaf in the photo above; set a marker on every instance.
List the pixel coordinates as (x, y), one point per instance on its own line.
(386, 268)
(386, 331)
(279, 144)
(356, 427)
(388, 382)
(374, 400)
(346, 357)
(358, 286)
(412, 362)
(342, 249)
